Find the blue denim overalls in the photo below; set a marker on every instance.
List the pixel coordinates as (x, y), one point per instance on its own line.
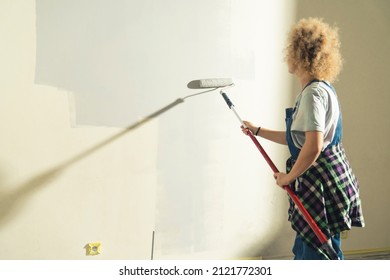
(301, 250)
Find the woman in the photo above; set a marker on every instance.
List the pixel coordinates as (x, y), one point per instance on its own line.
(318, 170)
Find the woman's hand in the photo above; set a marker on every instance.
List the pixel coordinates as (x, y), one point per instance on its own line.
(282, 179)
(249, 126)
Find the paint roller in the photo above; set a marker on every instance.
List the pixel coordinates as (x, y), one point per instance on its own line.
(210, 83)
(326, 246)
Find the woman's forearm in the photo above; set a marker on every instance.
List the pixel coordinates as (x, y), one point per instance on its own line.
(273, 135)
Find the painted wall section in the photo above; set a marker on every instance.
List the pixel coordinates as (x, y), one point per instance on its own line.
(124, 59)
(75, 74)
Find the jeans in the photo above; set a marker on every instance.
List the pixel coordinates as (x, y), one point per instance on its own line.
(303, 252)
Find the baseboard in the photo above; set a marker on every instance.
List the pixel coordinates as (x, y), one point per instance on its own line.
(368, 254)
(375, 253)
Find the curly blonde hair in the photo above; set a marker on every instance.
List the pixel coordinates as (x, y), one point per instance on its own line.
(313, 46)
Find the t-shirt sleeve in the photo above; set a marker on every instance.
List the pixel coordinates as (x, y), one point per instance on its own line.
(311, 112)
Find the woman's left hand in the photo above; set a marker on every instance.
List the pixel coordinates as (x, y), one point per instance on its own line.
(282, 179)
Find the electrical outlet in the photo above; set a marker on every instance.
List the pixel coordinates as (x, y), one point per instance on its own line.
(344, 234)
(93, 249)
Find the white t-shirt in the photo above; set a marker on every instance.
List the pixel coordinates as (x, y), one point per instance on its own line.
(316, 109)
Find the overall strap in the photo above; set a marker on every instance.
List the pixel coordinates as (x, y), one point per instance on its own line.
(339, 128)
(294, 150)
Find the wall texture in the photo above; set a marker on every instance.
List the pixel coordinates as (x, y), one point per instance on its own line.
(77, 165)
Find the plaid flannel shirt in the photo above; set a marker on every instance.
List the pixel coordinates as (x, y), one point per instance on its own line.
(330, 193)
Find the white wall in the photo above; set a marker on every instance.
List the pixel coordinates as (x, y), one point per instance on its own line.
(75, 74)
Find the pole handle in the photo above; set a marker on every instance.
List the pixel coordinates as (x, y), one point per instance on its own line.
(227, 100)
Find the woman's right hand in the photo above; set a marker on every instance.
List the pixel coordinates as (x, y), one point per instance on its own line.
(249, 126)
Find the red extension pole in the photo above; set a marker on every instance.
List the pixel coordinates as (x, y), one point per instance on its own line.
(321, 236)
(325, 243)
